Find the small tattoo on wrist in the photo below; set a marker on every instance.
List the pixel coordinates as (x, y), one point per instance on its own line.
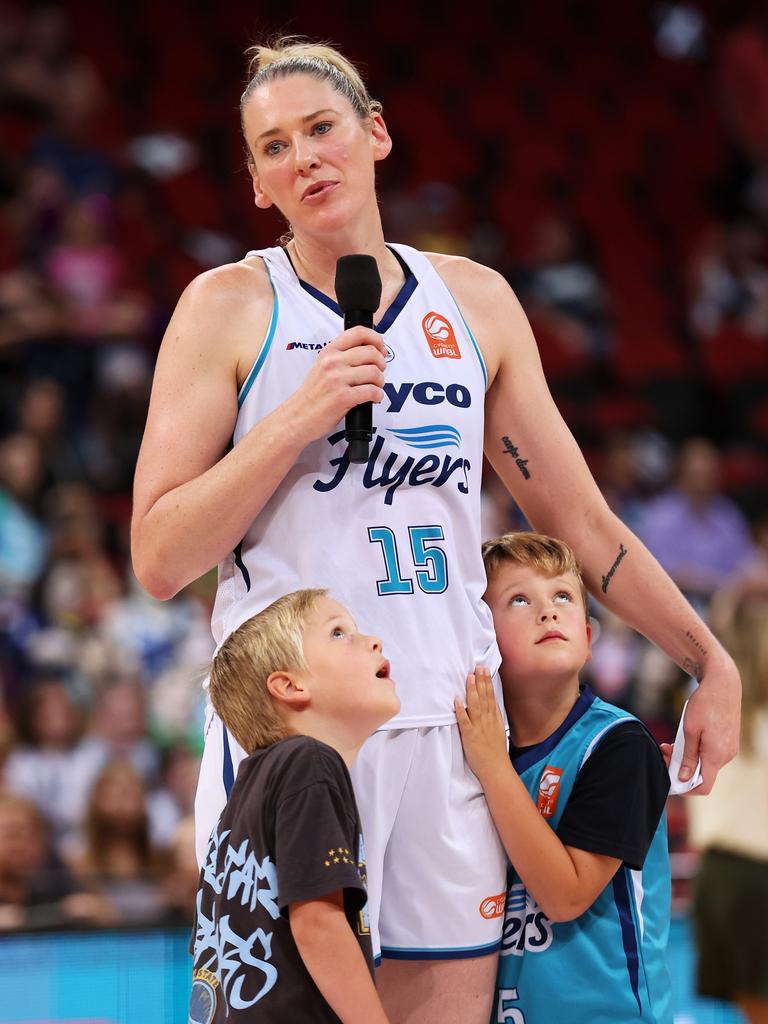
(609, 575)
(511, 449)
(696, 643)
(693, 668)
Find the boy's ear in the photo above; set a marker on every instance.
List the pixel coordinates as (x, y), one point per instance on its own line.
(288, 689)
(589, 643)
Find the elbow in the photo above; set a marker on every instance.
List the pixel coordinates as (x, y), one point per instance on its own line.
(560, 911)
(156, 583)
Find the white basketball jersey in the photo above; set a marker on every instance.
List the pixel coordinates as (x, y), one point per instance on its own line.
(397, 540)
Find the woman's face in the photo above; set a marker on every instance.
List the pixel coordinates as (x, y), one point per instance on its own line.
(313, 156)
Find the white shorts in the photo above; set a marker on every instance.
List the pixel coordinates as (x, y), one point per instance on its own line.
(431, 846)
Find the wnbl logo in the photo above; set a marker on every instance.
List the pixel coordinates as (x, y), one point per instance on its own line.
(526, 927)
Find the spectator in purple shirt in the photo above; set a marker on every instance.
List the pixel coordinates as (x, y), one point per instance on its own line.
(699, 536)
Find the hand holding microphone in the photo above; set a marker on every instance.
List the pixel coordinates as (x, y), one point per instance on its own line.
(358, 292)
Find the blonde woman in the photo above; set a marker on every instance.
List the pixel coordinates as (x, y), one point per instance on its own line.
(256, 354)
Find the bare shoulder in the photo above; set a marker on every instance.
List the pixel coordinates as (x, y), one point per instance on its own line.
(462, 274)
(488, 304)
(223, 314)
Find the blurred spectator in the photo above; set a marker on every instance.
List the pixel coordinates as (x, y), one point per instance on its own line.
(181, 882)
(174, 799)
(115, 858)
(86, 272)
(615, 654)
(42, 415)
(49, 765)
(35, 891)
(119, 730)
(730, 825)
(562, 291)
(619, 480)
(699, 536)
(22, 537)
(730, 282)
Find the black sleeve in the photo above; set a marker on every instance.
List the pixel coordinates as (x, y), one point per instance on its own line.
(317, 838)
(618, 797)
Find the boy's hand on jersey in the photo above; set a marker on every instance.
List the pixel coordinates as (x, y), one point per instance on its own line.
(481, 725)
(347, 372)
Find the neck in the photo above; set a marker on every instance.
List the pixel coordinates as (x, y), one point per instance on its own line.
(346, 743)
(314, 259)
(536, 710)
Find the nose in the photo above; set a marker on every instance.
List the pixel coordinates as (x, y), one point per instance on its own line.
(549, 611)
(304, 155)
(375, 644)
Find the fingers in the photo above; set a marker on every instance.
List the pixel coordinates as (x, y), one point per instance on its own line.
(359, 336)
(666, 752)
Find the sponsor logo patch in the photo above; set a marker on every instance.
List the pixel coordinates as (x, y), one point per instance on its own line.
(549, 790)
(493, 906)
(440, 337)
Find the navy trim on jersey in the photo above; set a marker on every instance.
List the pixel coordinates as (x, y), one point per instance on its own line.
(628, 934)
(540, 750)
(238, 556)
(461, 953)
(229, 771)
(398, 303)
(267, 343)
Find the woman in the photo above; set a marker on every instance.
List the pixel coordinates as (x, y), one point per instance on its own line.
(397, 539)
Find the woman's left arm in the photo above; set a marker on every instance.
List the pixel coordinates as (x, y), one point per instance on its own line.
(533, 451)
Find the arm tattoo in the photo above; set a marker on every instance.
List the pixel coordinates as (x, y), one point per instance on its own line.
(693, 668)
(696, 643)
(609, 575)
(511, 449)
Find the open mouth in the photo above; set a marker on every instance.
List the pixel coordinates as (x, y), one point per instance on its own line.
(383, 672)
(316, 188)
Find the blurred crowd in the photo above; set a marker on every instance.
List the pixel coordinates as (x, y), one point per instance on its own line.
(104, 219)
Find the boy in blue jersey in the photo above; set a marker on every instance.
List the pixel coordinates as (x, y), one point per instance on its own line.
(578, 801)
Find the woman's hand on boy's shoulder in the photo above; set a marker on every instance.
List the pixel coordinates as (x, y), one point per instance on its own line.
(481, 724)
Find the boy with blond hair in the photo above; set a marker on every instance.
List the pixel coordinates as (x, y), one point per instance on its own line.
(578, 800)
(281, 930)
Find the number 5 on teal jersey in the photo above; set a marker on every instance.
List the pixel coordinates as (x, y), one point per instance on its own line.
(507, 1014)
(429, 561)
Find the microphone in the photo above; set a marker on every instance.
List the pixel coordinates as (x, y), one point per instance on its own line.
(358, 292)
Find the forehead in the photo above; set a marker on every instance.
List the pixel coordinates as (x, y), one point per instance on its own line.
(510, 574)
(288, 98)
(326, 608)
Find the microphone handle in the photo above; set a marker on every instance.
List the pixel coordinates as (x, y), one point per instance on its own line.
(358, 423)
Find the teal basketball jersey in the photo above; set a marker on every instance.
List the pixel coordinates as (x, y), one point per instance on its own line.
(608, 965)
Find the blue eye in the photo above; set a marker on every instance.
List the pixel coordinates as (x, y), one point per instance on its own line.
(565, 595)
(322, 128)
(519, 598)
(273, 148)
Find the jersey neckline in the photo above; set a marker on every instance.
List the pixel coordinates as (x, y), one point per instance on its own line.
(398, 303)
(523, 757)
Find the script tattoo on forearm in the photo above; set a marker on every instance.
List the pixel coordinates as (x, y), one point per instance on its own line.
(691, 665)
(609, 575)
(511, 449)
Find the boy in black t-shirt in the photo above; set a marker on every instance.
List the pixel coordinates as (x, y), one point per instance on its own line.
(281, 931)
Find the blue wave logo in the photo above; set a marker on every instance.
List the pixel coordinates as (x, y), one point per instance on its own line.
(439, 435)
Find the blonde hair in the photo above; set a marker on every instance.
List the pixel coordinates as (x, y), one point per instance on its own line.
(295, 55)
(547, 555)
(742, 628)
(269, 642)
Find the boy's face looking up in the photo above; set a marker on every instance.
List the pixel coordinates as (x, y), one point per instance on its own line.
(348, 675)
(540, 624)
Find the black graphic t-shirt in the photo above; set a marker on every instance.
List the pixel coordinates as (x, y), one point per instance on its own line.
(290, 831)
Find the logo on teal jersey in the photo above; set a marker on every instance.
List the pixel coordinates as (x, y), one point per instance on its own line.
(526, 927)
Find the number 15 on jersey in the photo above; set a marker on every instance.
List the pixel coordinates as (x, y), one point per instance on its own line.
(430, 566)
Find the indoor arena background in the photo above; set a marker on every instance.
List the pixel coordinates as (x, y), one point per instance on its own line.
(610, 159)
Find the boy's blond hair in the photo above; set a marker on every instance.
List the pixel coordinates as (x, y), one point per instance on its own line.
(547, 555)
(269, 642)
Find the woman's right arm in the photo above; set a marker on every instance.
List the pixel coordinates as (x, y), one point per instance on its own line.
(194, 501)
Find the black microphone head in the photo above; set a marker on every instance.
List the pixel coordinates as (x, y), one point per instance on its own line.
(358, 285)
